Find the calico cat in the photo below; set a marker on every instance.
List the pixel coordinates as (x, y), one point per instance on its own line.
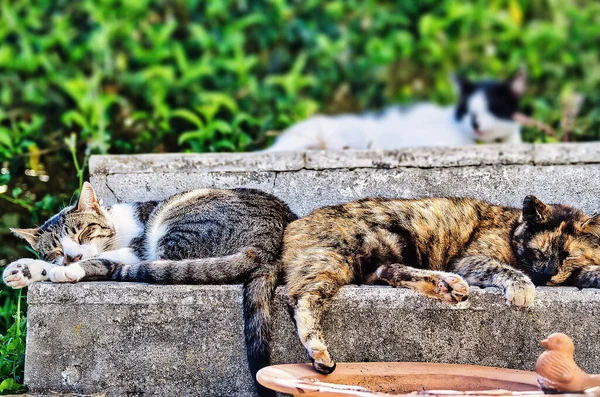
(437, 246)
(205, 236)
(484, 112)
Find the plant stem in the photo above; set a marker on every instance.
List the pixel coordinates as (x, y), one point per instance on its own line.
(77, 168)
(18, 202)
(18, 317)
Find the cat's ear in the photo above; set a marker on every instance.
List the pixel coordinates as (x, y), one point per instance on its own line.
(462, 85)
(30, 235)
(518, 83)
(535, 211)
(591, 225)
(88, 201)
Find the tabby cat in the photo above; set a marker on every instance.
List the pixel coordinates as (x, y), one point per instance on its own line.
(206, 236)
(437, 246)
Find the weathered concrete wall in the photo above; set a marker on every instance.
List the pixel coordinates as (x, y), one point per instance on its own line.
(566, 173)
(187, 340)
(123, 338)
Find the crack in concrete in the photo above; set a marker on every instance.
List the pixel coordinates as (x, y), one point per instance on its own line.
(111, 191)
(274, 183)
(350, 169)
(531, 156)
(545, 164)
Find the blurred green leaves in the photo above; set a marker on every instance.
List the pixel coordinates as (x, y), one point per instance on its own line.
(121, 73)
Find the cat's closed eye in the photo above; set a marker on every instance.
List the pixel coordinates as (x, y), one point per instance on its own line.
(52, 256)
(87, 234)
(539, 254)
(533, 254)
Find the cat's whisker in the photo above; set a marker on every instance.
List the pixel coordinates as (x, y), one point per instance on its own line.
(116, 240)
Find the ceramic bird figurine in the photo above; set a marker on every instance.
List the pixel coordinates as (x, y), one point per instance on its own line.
(556, 369)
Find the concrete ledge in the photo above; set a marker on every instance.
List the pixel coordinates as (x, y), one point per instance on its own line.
(123, 338)
(434, 157)
(187, 340)
(568, 173)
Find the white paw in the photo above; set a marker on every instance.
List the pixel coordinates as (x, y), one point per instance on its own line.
(520, 293)
(23, 272)
(67, 274)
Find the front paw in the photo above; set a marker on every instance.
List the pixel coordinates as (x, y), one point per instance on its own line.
(452, 288)
(67, 274)
(23, 272)
(520, 293)
(589, 279)
(588, 283)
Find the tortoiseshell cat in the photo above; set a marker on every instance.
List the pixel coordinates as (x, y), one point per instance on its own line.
(416, 243)
(205, 236)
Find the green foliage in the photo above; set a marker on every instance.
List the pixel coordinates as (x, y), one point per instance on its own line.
(130, 76)
(8, 306)
(12, 354)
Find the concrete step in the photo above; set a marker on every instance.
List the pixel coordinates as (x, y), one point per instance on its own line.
(121, 338)
(567, 173)
(136, 339)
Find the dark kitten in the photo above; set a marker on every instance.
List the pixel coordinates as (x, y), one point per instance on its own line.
(435, 246)
(558, 244)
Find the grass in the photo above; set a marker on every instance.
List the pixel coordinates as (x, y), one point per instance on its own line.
(12, 352)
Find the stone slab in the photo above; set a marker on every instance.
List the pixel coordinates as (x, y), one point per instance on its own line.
(305, 190)
(566, 173)
(433, 157)
(137, 339)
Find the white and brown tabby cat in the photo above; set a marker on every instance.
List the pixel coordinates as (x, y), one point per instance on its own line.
(205, 236)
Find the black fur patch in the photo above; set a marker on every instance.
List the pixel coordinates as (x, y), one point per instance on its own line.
(502, 102)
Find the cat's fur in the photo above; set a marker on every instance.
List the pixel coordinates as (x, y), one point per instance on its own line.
(436, 246)
(484, 113)
(206, 236)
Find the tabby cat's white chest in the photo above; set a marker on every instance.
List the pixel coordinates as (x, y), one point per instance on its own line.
(126, 223)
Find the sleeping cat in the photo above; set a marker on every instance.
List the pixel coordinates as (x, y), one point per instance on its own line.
(437, 246)
(483, 113)
(205, 236)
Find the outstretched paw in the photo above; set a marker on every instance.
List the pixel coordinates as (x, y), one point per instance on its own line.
(520, 293)
(23, 272)
(67, 274)
(321, 360)
(452, 288)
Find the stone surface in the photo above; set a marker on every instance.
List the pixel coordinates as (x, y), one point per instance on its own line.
(124, 338)
(187, 340)
(567, 173)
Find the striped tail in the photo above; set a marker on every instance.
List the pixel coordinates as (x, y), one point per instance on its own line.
(258, 293)
(220, 270)
(258, 298)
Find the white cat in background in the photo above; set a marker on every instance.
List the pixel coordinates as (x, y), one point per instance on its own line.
(483, 113)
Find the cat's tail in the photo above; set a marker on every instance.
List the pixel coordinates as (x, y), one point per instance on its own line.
(257, 301)
(219, 270)
(258, 293)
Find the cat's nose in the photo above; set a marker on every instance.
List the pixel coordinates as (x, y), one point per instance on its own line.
(550, 270)
(71, 259)
(474, 122)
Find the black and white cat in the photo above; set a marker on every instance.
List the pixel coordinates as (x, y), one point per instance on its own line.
(484, 113)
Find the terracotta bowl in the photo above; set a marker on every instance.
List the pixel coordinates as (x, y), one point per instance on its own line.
(369, 379)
